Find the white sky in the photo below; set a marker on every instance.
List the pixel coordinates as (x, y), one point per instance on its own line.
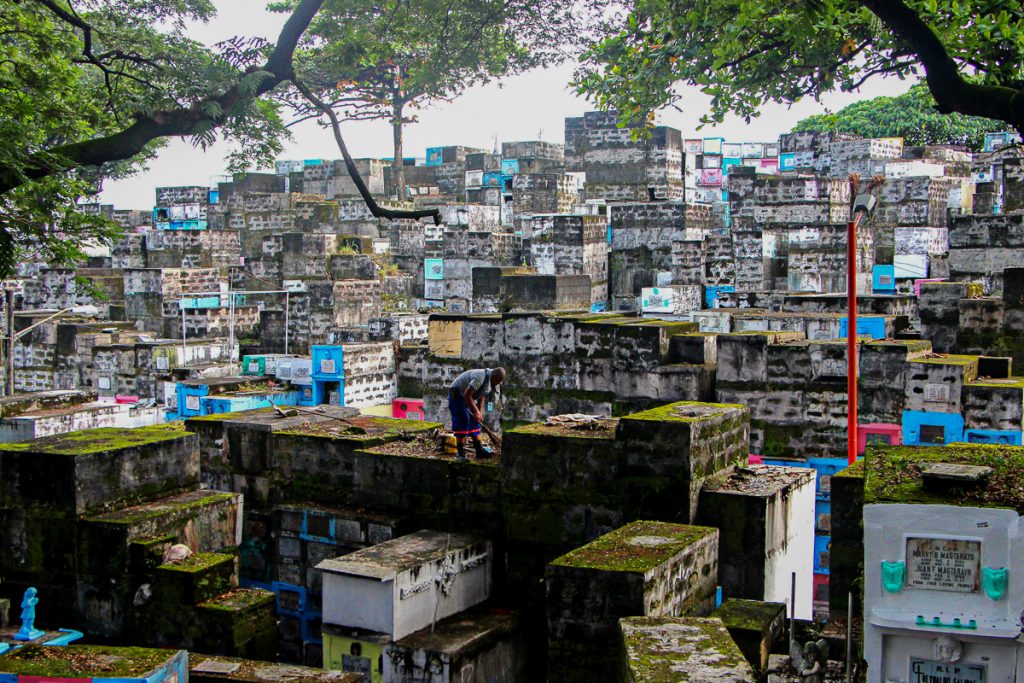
(527, 107)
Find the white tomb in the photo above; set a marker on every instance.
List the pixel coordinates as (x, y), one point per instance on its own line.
(401, 586)
(943, 594)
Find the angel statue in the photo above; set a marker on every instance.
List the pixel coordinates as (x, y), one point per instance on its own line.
(810, 661)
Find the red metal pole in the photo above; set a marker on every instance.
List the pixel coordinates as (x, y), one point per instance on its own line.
(851, 340)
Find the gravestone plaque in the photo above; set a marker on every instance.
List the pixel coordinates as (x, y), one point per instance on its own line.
(213, 666)
(833, 367)
(936, 393)
(929, 671)
(943, 564)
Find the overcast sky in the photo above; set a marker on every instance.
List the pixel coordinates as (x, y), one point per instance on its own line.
(527, 107)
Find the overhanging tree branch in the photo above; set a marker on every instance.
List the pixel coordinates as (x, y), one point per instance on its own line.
(949, 88)
(168, 123)
(376, 210)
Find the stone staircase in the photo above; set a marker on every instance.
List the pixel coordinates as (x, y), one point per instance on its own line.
(87, 517)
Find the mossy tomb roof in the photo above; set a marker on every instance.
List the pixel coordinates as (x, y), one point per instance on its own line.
(854, 471)
(760, 480)
(84, 661)
(189, 500)
(265, 672)
(91, 441)
(468, 631)
(637, 547)
(913, 345)
(686, 411)
(363, 428)
(749, 615)
(198, 562)
(604, 430)
(239, 600)
(893, 475)
(682, 650)
(386, 560)
(945, 359)
(1000, 383)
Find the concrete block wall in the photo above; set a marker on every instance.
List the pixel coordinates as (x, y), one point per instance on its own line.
(191, 249)
(451, 178)
(674, 580)
(719, 265)
(128, 252)
(758, 552)
(544, 193)
(645, 243)
(913, 201)
(572, 245)
(787, 200)
(248, 210)
(252, 182)
(620, 168)
(463, 252)
(170, 196)
(816, 259)
(885, 370)
(206, 323)
(795, 390)
(316, 310)
(370, 374)
(489, 285)
(982, 246)
(473, 217)
(547, 516)
(557, 363)
(331, 179)
(171, 282)
(940, 313)
(548, 292)
(533, 149)
(59, 288)
(131, 495)
(305, 255)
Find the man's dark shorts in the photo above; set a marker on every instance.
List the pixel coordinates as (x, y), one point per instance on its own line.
(463, 422)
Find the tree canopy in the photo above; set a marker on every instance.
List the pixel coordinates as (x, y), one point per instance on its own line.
(91, 88)
(912, 116)
(374, 59)
(745, 53)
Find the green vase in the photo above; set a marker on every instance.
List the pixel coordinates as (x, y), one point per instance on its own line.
(892, 576)
(994, 582)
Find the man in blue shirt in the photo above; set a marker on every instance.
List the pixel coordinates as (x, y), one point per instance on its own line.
(466, 397)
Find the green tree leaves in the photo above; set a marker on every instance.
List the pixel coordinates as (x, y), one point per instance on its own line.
(745, 53)
(911, 116)
(90, 89)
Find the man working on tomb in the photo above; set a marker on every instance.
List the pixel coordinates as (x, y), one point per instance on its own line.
(466, 398)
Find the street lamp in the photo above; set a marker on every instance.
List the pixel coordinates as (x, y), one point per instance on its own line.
(863, 205)
(12, 336)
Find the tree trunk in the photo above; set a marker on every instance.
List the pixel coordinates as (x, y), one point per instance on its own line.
(353, 172)
(398, 165)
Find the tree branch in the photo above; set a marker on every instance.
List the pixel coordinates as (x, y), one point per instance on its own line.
(168, 123)
(949, 88)
(376, 210)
